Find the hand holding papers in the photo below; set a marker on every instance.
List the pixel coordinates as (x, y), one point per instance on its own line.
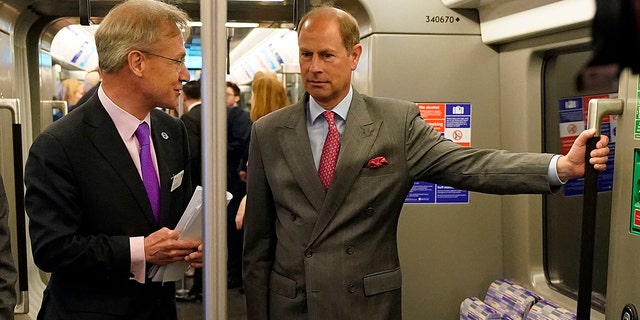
(190, 227)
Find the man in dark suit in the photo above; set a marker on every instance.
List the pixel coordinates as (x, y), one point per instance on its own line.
(325, 247)
(95, 223)
(192, 119)
(238, 131)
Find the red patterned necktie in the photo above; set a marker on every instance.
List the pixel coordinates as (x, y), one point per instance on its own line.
(149, 176)
(330, 151)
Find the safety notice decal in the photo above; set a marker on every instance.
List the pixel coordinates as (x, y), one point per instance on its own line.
(453, 121)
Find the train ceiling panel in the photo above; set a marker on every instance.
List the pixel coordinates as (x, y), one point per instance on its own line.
(264, 12)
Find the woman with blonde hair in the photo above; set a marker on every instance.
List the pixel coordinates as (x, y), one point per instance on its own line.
(267, 95)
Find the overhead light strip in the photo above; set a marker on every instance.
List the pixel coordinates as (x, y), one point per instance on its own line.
(229, 24)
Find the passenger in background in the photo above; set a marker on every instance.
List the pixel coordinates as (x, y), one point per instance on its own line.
(8, 274)
(71, 91)
(267, 95)
(192, 118)
(263, 73)
(238, 131)
(90, 84)
(258, 75)
(329, 175)
(107, 183)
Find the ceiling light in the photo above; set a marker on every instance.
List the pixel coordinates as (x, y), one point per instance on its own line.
(241, 25)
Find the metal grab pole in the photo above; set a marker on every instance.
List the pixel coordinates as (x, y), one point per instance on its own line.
(214, 160)
(598, 108)
(589, 204)
(22, 304)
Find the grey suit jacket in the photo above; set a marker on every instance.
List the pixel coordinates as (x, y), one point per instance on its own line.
(85, 199)
(311, 255)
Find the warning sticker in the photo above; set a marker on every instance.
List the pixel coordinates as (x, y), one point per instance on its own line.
(453, 121)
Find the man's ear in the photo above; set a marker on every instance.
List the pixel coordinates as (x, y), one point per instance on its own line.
(136, 61)
(356, 52)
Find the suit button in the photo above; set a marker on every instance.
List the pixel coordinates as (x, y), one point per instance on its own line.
(308, 253)
(352, 288)
(370, 211)
(293, 217)
(350, 250)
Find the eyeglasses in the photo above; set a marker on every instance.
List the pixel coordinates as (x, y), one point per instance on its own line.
(179, 63)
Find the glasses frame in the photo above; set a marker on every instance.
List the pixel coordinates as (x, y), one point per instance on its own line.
(180, 62)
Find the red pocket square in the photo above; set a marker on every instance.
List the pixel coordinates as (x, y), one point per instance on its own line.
(377, 162)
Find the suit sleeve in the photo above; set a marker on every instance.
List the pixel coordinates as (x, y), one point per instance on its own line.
(193, 135)
(436, 159)
(259, 232)
(8, 272)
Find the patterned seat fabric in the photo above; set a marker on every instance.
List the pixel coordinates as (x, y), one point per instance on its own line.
(547, 310)
(511, 299)
(475, 309)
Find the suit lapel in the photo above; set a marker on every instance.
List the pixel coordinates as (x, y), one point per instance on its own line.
(161, 139)
(294, 141)
(107, 140)
(360, 134)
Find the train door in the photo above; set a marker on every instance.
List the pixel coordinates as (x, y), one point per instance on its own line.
(623, 292)
(567, 90)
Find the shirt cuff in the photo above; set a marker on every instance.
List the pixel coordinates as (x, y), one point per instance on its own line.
(552, 172)
(138, 264)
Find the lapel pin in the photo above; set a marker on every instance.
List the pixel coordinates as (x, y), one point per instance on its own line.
(164, 135)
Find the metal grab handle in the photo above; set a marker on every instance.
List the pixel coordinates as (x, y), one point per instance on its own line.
(598, 108)
(22, 305)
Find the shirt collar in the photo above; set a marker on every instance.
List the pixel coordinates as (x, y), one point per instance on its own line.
(341, 109)
(125, 123)
(191, 106)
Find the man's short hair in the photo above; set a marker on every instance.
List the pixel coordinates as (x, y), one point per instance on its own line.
(135, 24)
(234, 87)
(192, 90)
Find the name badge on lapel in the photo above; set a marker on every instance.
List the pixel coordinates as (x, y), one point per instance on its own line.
(176, 180)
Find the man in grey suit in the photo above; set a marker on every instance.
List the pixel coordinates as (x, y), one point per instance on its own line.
(315, 251)
(103, 195)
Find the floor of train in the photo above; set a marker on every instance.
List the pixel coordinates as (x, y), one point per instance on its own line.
(192, 310)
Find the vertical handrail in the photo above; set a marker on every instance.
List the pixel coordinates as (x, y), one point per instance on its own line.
(214, 128)
(598, 108)
(13, 105)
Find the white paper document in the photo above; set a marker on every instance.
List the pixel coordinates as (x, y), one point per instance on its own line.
(190, 227)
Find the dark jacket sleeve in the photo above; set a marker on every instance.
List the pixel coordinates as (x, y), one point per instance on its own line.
(8, 273)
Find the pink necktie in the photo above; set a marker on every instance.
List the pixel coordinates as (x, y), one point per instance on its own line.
(330, 150)
(149, 176)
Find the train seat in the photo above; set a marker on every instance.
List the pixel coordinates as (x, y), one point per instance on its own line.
(473, 308)
(504, 300)
(511, 299)
(547, 310)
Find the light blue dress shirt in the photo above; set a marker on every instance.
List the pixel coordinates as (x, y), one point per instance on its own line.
(317, 125)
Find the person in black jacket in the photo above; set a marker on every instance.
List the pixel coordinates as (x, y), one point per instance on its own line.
(8, 273)
(192, 118)
(238, 131)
